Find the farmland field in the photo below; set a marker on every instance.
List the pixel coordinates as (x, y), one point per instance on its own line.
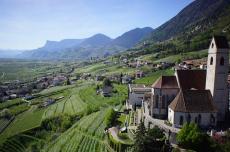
(12, 69)
(23, 122)
(84, 136)
(89, 96)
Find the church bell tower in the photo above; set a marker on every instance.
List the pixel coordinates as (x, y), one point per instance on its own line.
(217, 74)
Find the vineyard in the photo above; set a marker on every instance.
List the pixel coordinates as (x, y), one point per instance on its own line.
(71, 105)
(87, 134)
(78, 99)
(4, 123)
(90, 96)
(84, 136)
(23, 122)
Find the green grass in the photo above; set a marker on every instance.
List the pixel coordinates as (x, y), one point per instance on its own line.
(23, 122)
(11, 103)
(122, 119)
(189, 55)
(89, 96)
(24, 70)
(151, 78)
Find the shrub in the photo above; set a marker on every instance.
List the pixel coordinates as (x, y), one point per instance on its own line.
(110, 117)
(190, 137)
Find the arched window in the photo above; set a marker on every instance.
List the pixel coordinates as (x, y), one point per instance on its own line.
(199, 119)
(188, 118)
(222, 61)
(212, 119)
(181, 120)
(211, 61)
(212, 45)
(156, 101)
(163, 101)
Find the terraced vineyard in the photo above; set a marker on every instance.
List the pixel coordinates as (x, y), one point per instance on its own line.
(23, 122)
(84, 136)
(3, 123)
(71, 105)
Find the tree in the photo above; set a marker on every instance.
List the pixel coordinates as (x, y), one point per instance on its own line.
(110, 117)
(107, 82)
(5, 113)
(190, 137)
(155, 140)
(68, 81)
(139, 140)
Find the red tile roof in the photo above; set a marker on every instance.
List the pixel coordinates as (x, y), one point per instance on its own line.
(221, 42)
(191, 79)
(166, 82)
(195, 101)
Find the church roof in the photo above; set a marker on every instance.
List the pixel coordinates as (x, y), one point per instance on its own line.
(191, 79)
(221, 42)
(194, 101)
(166, 82)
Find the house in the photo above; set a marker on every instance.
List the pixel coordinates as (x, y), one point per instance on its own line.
(139, 74)
(13, 96)
(126, 79)
(48, 102)
(59, 80)
(107, 91)
(99, 78)
(136, 95)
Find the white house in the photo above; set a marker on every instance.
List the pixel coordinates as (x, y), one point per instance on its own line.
(136, 95)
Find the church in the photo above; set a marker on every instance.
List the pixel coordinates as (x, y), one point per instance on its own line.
(199, 96)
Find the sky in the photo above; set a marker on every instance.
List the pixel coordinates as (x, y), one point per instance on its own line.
(27, 24)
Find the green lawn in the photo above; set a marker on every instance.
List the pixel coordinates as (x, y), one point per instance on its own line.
(89, 96)
(151, 78)
(175, 58)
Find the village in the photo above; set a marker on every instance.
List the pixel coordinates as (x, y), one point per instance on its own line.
(194, 91)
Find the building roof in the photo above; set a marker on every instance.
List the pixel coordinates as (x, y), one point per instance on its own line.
(191, 79)
(194, 101)
(221, 42)
(166, 82)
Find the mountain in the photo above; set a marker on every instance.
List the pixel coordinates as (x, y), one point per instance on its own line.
(96, 45)
(9, 53)
(96, 40)
(196, 16)
(63, 44)
(190, 30)
(131, 38)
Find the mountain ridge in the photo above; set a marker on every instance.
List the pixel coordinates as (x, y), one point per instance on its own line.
(96, 45)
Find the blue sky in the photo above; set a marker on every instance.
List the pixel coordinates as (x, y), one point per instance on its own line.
(27, 24)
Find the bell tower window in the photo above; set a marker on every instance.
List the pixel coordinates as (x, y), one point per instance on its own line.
(222, 61)
(212, 45)
(211, 61)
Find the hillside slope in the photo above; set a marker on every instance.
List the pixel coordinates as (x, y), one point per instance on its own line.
(190, 30)
(198, 16)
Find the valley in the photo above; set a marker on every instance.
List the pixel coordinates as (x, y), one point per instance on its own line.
(163, 89)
